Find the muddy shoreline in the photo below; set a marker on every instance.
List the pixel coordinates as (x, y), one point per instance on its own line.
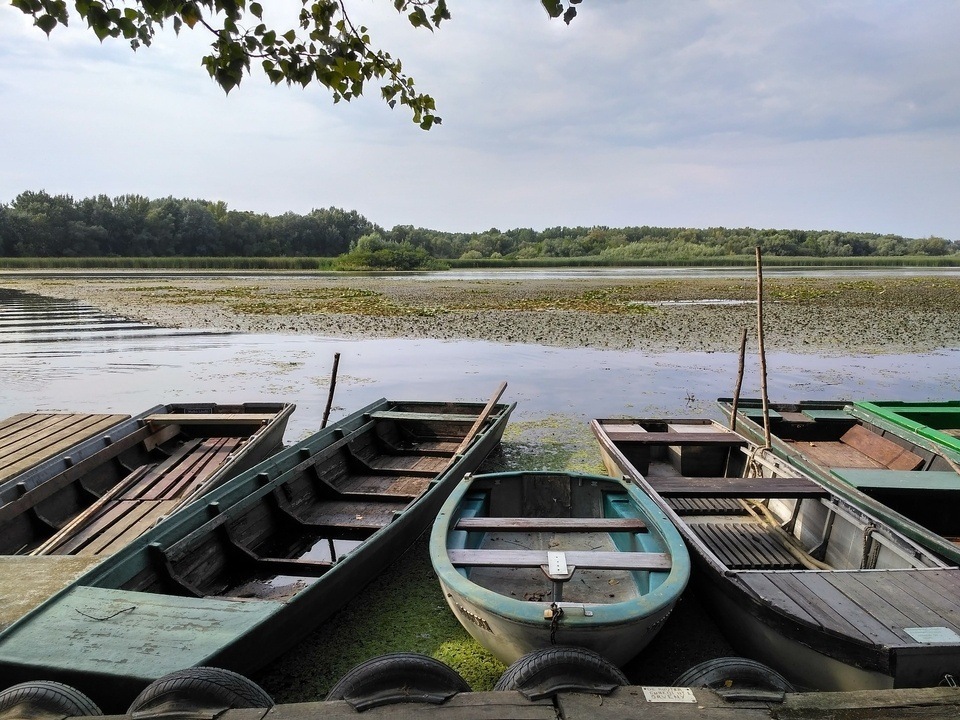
(831, 316)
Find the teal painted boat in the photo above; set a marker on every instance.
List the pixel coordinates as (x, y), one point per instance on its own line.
(936, 421)
(527, 560)
(827, 594)
(241, 575)
(908, 480)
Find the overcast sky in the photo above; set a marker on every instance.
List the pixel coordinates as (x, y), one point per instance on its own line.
(788, 114)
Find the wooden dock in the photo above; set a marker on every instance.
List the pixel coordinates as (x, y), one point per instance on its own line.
(630, 703)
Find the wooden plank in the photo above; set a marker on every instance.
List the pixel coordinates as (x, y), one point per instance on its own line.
(827, 616)
(916, 599)
(481, 419)
(884, 451)
(433, 417)
(210, 418)
(65, 432)
(520, 524)
(770, 593)
(765, 487)
(677, 438)
(598, 560)
(834, 454)
(830, 588)
(874, 604)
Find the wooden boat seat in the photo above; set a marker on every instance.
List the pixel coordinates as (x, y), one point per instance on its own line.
(883, 451)
(746, 546)
(437, 417)
(642, 437)
(737, 487)
(206, 418)
(596, 560)
(539, 524)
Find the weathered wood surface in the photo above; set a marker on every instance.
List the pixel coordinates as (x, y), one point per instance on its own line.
(886, 452)
(873, 607)
(719, 437)
(762, 487)
(28, 439)
(596, 559)
(547, 524)
(631, 703)
(210, 418)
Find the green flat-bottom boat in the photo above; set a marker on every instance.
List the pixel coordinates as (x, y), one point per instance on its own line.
(936, 421)
(527, 560)
(908, 480)
(243, 574)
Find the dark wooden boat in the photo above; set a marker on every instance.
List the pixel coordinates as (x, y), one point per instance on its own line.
(531, 559)
(908, 480)
(93, 496)
(798, 578)
(240, 576)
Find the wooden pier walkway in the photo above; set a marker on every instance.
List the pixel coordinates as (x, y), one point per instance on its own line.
(627, 703)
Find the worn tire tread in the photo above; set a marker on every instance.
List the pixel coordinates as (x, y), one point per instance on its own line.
(49, 695)
(540, 663)
(204, 683)
(720, 671)
(404, 672)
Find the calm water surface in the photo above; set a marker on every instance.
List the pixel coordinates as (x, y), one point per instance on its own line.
(63, 356)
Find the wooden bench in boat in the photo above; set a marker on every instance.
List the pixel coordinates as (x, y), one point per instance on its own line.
(595, 559)
(736, 487)
(436, 417)
(210, 418)
(521, 524)
(642, 437)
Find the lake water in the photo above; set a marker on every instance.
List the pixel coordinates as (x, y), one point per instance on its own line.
(63, 356)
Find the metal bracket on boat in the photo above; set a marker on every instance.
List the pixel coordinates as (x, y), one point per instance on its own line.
(557, 570)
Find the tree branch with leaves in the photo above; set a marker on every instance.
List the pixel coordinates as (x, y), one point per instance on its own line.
(325, 47)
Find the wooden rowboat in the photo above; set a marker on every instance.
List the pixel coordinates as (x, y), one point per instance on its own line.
(798, 578)
(240, 576)
(531, 559)
(909, 480)
(93, 496)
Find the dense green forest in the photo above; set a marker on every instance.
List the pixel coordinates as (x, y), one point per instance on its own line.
(39, 225)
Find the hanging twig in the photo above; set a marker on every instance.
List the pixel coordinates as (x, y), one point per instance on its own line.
(763, 354)
(333, 386)
(736, 390)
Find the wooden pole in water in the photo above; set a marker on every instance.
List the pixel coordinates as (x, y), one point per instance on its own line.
(333, 386)
(762, 351)
(736, 390)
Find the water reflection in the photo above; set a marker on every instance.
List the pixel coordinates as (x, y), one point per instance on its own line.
(131, 371)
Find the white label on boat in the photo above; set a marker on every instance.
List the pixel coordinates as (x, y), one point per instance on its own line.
(932, 634)
(669, 694)
(557, 562)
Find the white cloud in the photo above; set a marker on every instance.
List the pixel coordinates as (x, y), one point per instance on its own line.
(836, 114)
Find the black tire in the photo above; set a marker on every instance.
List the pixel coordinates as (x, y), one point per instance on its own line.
(734, 673)
(45, 696)
(200, 687)
(544, 673)
(397, 678)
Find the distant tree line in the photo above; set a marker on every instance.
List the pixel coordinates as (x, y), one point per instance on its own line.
(39, 225)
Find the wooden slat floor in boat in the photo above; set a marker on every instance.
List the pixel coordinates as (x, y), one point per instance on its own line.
(870, 606)
(146, 496)
(746, 546)
(411, 463)
(705, 506)
(28, 439)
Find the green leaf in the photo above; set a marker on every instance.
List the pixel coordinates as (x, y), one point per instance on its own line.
(554, 8)
(290, 36)
(256, 10)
